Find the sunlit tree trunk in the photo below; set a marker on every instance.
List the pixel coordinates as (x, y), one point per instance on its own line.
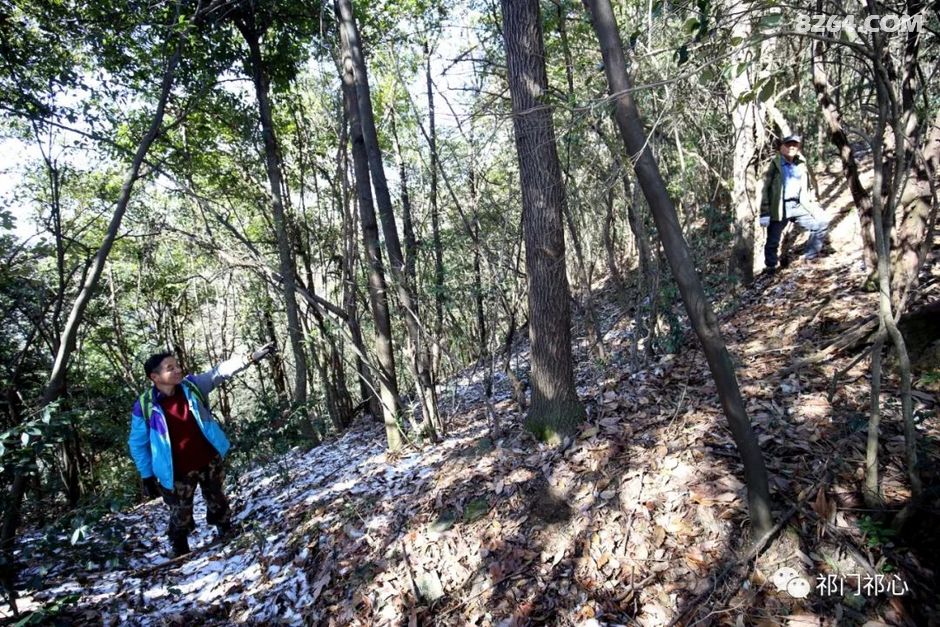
(378, 293)
(250, 31)
(420, 358)
(744, 122)
(555, 410)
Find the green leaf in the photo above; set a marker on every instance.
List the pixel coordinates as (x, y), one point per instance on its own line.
(767, 90)
(475, 510)
(691, 25)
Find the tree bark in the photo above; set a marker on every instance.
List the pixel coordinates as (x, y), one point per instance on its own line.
(595, 337)
(407, 221)
(744, 121)
(913, 233)
(407, 301)
(435, 223)
(555, 409)
(378, 293)
(276, 364)
(680, 260)
(884, 204)
(367, 382)
(250, 31)
(840, 140)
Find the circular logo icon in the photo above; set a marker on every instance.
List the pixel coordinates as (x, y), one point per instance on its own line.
(782, 577)
(798, 588)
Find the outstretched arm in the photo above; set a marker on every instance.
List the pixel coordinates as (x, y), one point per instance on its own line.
(211, 379)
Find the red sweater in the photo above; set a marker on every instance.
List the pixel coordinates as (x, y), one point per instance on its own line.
(191, 450)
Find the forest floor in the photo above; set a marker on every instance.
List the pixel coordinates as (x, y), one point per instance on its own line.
(641, 519)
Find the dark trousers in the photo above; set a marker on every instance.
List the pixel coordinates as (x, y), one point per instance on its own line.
(817, 234)
(210, 479)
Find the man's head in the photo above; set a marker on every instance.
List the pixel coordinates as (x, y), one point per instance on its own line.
(790, 146)
(163, 369)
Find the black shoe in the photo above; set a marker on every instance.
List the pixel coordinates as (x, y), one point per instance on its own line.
(227, 531)
(768, 272)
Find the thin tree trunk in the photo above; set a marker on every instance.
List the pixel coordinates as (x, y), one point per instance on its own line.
(518, 387)
(609, 237)
(840, 140)
(276, 363)
(378, 294)
(587, 293)
(885, 204)
(744, 119)
(677, 253)
(249, 30)
(407, 301)
(647, 283)
(555, 409)
(435, 223)
(367, 383)
(913, 233)
(872, 491)
(407, 221)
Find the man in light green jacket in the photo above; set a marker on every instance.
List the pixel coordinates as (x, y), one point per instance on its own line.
(787, 197)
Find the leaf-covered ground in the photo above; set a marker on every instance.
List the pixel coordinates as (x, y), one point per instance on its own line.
(639, 520)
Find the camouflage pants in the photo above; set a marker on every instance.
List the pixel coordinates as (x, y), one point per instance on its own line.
(180, 500)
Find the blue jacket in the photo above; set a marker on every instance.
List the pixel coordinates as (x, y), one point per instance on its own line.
(150, 440)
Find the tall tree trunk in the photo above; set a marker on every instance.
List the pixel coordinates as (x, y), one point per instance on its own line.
(840, 140)
(378, 294)
(555, 410)
(435, 223)
(367, 382)
(407, 301)
(56, 385)
(913, 233)
(250, 31)
(744, 120)
(584, 280)
(884, 205)
(913, 188)
(680, 260)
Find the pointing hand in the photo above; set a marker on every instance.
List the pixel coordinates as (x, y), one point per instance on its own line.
(263, 352)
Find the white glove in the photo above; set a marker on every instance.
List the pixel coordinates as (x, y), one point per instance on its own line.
(765, 221)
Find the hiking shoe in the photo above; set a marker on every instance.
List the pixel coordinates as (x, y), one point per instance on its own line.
(227, 531)
(768, 272)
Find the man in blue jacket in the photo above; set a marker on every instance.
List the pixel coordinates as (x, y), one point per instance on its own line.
(787, 197)
(177, 444)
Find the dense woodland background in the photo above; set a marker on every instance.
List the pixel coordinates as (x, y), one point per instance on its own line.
(397, 191)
